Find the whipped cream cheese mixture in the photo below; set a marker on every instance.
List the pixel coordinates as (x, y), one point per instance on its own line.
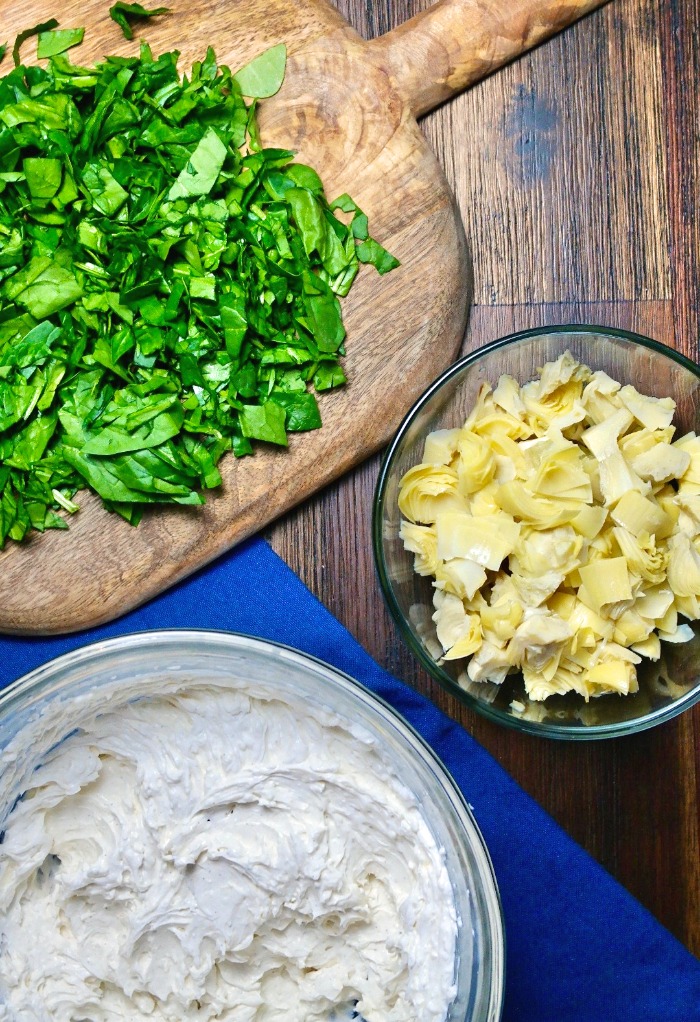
(209, 854)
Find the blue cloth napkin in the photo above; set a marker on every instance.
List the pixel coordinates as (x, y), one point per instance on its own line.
(579, 947)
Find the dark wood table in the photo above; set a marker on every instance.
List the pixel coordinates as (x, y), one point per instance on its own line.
(576, 171)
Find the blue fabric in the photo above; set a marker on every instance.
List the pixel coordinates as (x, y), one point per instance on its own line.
(579, 947)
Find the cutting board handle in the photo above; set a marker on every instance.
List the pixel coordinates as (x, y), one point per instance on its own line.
(457, 42)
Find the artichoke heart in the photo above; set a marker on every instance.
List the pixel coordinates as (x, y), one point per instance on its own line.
(425, 490)
(421, 540)
(487, 541)
(661, 463)
(683, 566)
(476, 463)
(642, 556)
(600, 397)
(617, 477)
(652, 412)
(559, 408)
(441, 446)
(641, 514)
(602, 439)
(460, 576)
(691, 445)
(562, 474)
(507, 396)
(606, 586)
(520, 502)
(539, 551)
(539, 642)
(612, 676)
(451, 620)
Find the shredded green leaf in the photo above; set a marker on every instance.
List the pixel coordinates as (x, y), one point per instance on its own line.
(169, 290)
(45, 26)
(263, 77)
(124, 14)
(54, 42)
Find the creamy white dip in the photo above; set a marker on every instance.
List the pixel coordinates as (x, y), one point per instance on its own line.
(211, 855)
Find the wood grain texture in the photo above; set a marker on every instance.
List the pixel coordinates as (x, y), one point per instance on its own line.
(345, 111)
(577, 173)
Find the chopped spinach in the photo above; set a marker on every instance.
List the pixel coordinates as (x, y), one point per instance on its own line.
(45, 26)
(169, 290)
(58, 41)
(124, 14)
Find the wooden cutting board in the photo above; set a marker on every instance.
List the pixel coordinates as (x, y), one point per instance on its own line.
(349, 108)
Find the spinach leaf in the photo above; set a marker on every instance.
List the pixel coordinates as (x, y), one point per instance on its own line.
(124, 13)
(58, 41)
(264, 75)
(199, 175)
(44, 26)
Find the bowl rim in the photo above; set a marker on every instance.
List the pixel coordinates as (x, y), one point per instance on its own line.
(542, 729)
(489, 896)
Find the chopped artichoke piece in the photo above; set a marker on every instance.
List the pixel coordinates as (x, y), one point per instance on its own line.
(616, 478)
(585, 620)
(602, 439)
(683, 566)
(682, 633)
(539, 551)
(631, 627)
(460, 576)
(440, 446)
(489, 663)
(563, 370)
(451, 620)
(612, 676)
(654, 603)
(487, 541)
(562, 474)
(661, 463)
(649, 648)
(589, 520)
(690, 443)
(688, 505)
(642, 556)
(499, 621)
(483, 503)
(558, 409)
(688, 606)
(421, 540)
(539, 640)
(600, 397)
(469, 642)
(652, 412)
(640, 514)
(607, 582)
(507, 396)
(476, 463)
(534, 591)
(425, 490)
(519, 502)
(641, 441)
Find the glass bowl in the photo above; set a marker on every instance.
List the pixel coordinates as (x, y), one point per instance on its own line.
(666, 687)
(45, 706)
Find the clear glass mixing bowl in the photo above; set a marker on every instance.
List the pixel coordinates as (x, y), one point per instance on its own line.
(666, 687)
(46, 705)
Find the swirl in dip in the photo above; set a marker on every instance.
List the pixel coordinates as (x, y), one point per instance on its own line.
(213, 854)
